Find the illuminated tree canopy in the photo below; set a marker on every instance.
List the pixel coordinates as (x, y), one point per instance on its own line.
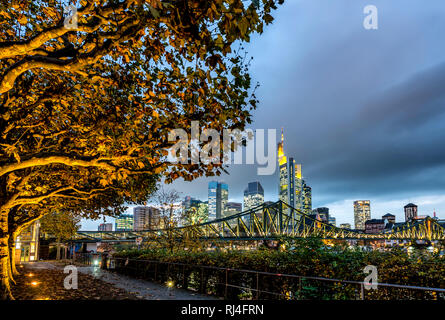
(85, 110)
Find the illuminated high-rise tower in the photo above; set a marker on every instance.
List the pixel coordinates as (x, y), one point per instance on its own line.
(292, 188)
(283, 187)
(362, 213)
(218, 197)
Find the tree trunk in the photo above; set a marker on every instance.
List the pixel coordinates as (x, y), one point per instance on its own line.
(11, 243)
(5, 288)
(58, 250)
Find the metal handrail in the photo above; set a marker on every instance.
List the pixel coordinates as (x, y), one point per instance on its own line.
(399, 286)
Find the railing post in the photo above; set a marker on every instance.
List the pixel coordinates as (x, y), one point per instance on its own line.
(362, 292)
(257, 286)
(202, 280)
(183, 276)
(300, 286)
(156, 270)
(227, 282)
(137, 268)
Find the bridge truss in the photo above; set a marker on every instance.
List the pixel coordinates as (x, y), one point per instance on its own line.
(272, 221)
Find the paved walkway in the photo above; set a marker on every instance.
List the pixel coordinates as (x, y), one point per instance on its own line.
(45, 281)
(137, 288)
(143, 289)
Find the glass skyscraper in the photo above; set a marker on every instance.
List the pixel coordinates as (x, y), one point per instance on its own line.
(124, 222)
(292, 189)
(253, 197)
(218, 197)
(362, 213)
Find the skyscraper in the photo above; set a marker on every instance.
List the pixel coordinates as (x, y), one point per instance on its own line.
(124, 222)
(323, 213)
(307, 198)
(253, 195)
(292, 189)
(213, 187)
(146, 218)
(232, 208)
(218, 197)
(362, 212)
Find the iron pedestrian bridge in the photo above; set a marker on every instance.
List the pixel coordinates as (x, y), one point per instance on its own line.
(269, 222)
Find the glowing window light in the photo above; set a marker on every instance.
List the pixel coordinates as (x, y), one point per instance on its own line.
(35, 283)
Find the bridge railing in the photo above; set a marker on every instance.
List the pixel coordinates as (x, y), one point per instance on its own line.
(233, 283)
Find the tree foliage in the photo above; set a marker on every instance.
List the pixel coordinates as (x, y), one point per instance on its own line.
(85, 111)
(196, 214)
(61, 225)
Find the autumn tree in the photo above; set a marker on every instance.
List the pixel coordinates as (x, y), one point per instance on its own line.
(196, 214)
(61, 225)
(87, 102)
(166, 200)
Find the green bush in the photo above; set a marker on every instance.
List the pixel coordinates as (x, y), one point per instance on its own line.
(303, 258)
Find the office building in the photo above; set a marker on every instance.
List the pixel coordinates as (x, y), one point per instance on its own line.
(232, 208)
(124, 222)
(332, 221)
(253, 195)
(345, 225)
(292, 189)
(146, 218)
(218, 197)
(374, 226)
(322, 213)
(362, 213)
(307, 199)
(105, 227)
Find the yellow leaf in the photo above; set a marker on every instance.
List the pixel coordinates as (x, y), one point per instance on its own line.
(23, 20)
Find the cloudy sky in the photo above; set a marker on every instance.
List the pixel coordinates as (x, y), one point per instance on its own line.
(363, 111)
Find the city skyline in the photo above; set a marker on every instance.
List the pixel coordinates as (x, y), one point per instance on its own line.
(395, 207)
